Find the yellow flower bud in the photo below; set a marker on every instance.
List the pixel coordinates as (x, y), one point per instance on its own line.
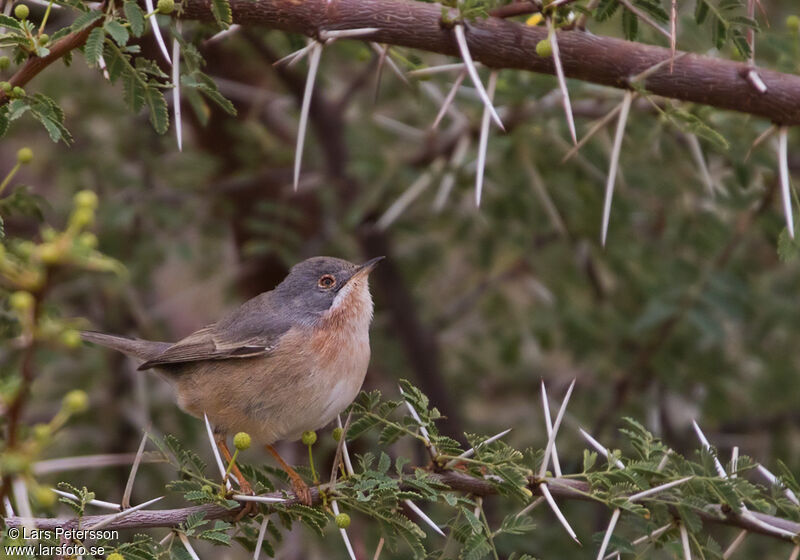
(82, 217)
(343, 521)
(544, 48)
(21, 301)
(21, 11)
(71, 338)
(337, 434)
(50, 253)
(241, 441)
(88, 239)
(76, 401)
(309, 438)
(115, 556)
(85, 199)
(24, 155)
(45, 496)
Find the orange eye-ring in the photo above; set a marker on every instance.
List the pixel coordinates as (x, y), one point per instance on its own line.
(327, 281)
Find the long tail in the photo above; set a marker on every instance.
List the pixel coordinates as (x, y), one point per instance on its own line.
(136, 347)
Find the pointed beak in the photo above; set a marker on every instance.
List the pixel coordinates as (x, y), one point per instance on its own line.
(366, 268)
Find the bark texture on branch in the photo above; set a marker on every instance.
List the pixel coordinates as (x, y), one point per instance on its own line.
(504, 44)
(562, 488)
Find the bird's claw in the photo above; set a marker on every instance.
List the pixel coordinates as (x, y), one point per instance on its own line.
(302, 491)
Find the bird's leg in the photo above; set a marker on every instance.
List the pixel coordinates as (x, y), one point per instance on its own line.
(298, 484)
(244, 486)
(250, 508)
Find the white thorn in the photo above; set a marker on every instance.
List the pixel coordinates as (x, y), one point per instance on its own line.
(449, 99)
(261, 499)
(327, 35)
(600, 449)
(423, 430)
(449, 180)
(461, 39)
(111, 518)
(176, 88)
(348, 466)
(391, 63)
(551, 440)
(7, 506)
(483, 142)
(431, 70)
(224, 33)
(424, 517)
(404, 200)
(697, 153)
(97, 503)
(755, 80)
(657, 489)
(795, 553)
(294, 57)
(343, 532)
(530, 506)
(262, 531)
(187, 545)
(20, 491)
(604, 120)
(471, 451)
(313, 66)
(562, 81)
(552, 503)
(216, 451)
(157, 30)
(735, 544)
(774, 480)
(126, 496)
(607, 537)
(101, 62)
(612, 168)
(734, 461)
(783, 169)
(549, 429)
(687, 550)
(702, 437)
(654, 535)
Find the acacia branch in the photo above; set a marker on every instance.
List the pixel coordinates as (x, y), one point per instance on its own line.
(562, 488)
(499, 43)
(36, 64)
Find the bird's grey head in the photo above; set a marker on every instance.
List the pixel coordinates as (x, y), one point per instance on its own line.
(323, 284)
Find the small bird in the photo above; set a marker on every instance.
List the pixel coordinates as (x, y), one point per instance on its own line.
(286, 361)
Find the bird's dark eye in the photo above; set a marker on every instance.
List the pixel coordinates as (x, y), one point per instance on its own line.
(327, 281)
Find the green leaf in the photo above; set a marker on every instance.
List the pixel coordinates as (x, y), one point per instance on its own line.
(221, 9)
(117, 31)
(93, 49)
(719, 32)
(654, 9)
(700, 11)
(788, 248)
(9, 23)
(606, 9)
(630, 25)
(135, 16)
(85, 20)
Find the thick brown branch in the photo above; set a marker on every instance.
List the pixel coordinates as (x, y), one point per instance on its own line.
(500, 43)
(560, 488)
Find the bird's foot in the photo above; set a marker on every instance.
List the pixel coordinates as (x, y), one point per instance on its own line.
(301, 490)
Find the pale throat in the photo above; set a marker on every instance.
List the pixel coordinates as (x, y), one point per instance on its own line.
(352, 306)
